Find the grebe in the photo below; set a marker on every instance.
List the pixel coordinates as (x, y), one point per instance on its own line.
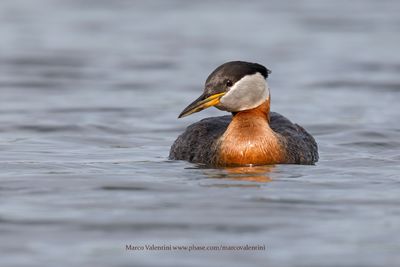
(252, 135)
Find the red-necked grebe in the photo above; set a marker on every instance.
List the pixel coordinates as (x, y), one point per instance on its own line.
(252, 135)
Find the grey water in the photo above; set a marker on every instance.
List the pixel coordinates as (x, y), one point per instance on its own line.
(89, 97)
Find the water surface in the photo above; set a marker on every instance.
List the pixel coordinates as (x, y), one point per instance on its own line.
(89, 95)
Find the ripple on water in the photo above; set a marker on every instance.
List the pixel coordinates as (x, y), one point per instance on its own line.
(375, 67)
(149, 65)
(373, 144)
(389, 86)
(43, 60)
(372, 139)
(48, 128)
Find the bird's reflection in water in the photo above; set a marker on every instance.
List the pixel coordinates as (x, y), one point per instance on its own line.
(260, 174)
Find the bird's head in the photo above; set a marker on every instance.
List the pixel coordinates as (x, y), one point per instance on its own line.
(234, 86)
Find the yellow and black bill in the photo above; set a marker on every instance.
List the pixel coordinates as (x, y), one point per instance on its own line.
(201, 103)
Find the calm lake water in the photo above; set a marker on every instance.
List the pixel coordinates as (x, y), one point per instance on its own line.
(89, 97)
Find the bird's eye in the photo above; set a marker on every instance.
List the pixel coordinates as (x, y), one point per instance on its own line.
(229, 83)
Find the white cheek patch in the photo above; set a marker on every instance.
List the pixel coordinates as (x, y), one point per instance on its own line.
(247, 93)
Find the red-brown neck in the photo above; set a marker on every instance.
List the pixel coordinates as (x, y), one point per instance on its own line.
(250, 140)
(260, 112)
